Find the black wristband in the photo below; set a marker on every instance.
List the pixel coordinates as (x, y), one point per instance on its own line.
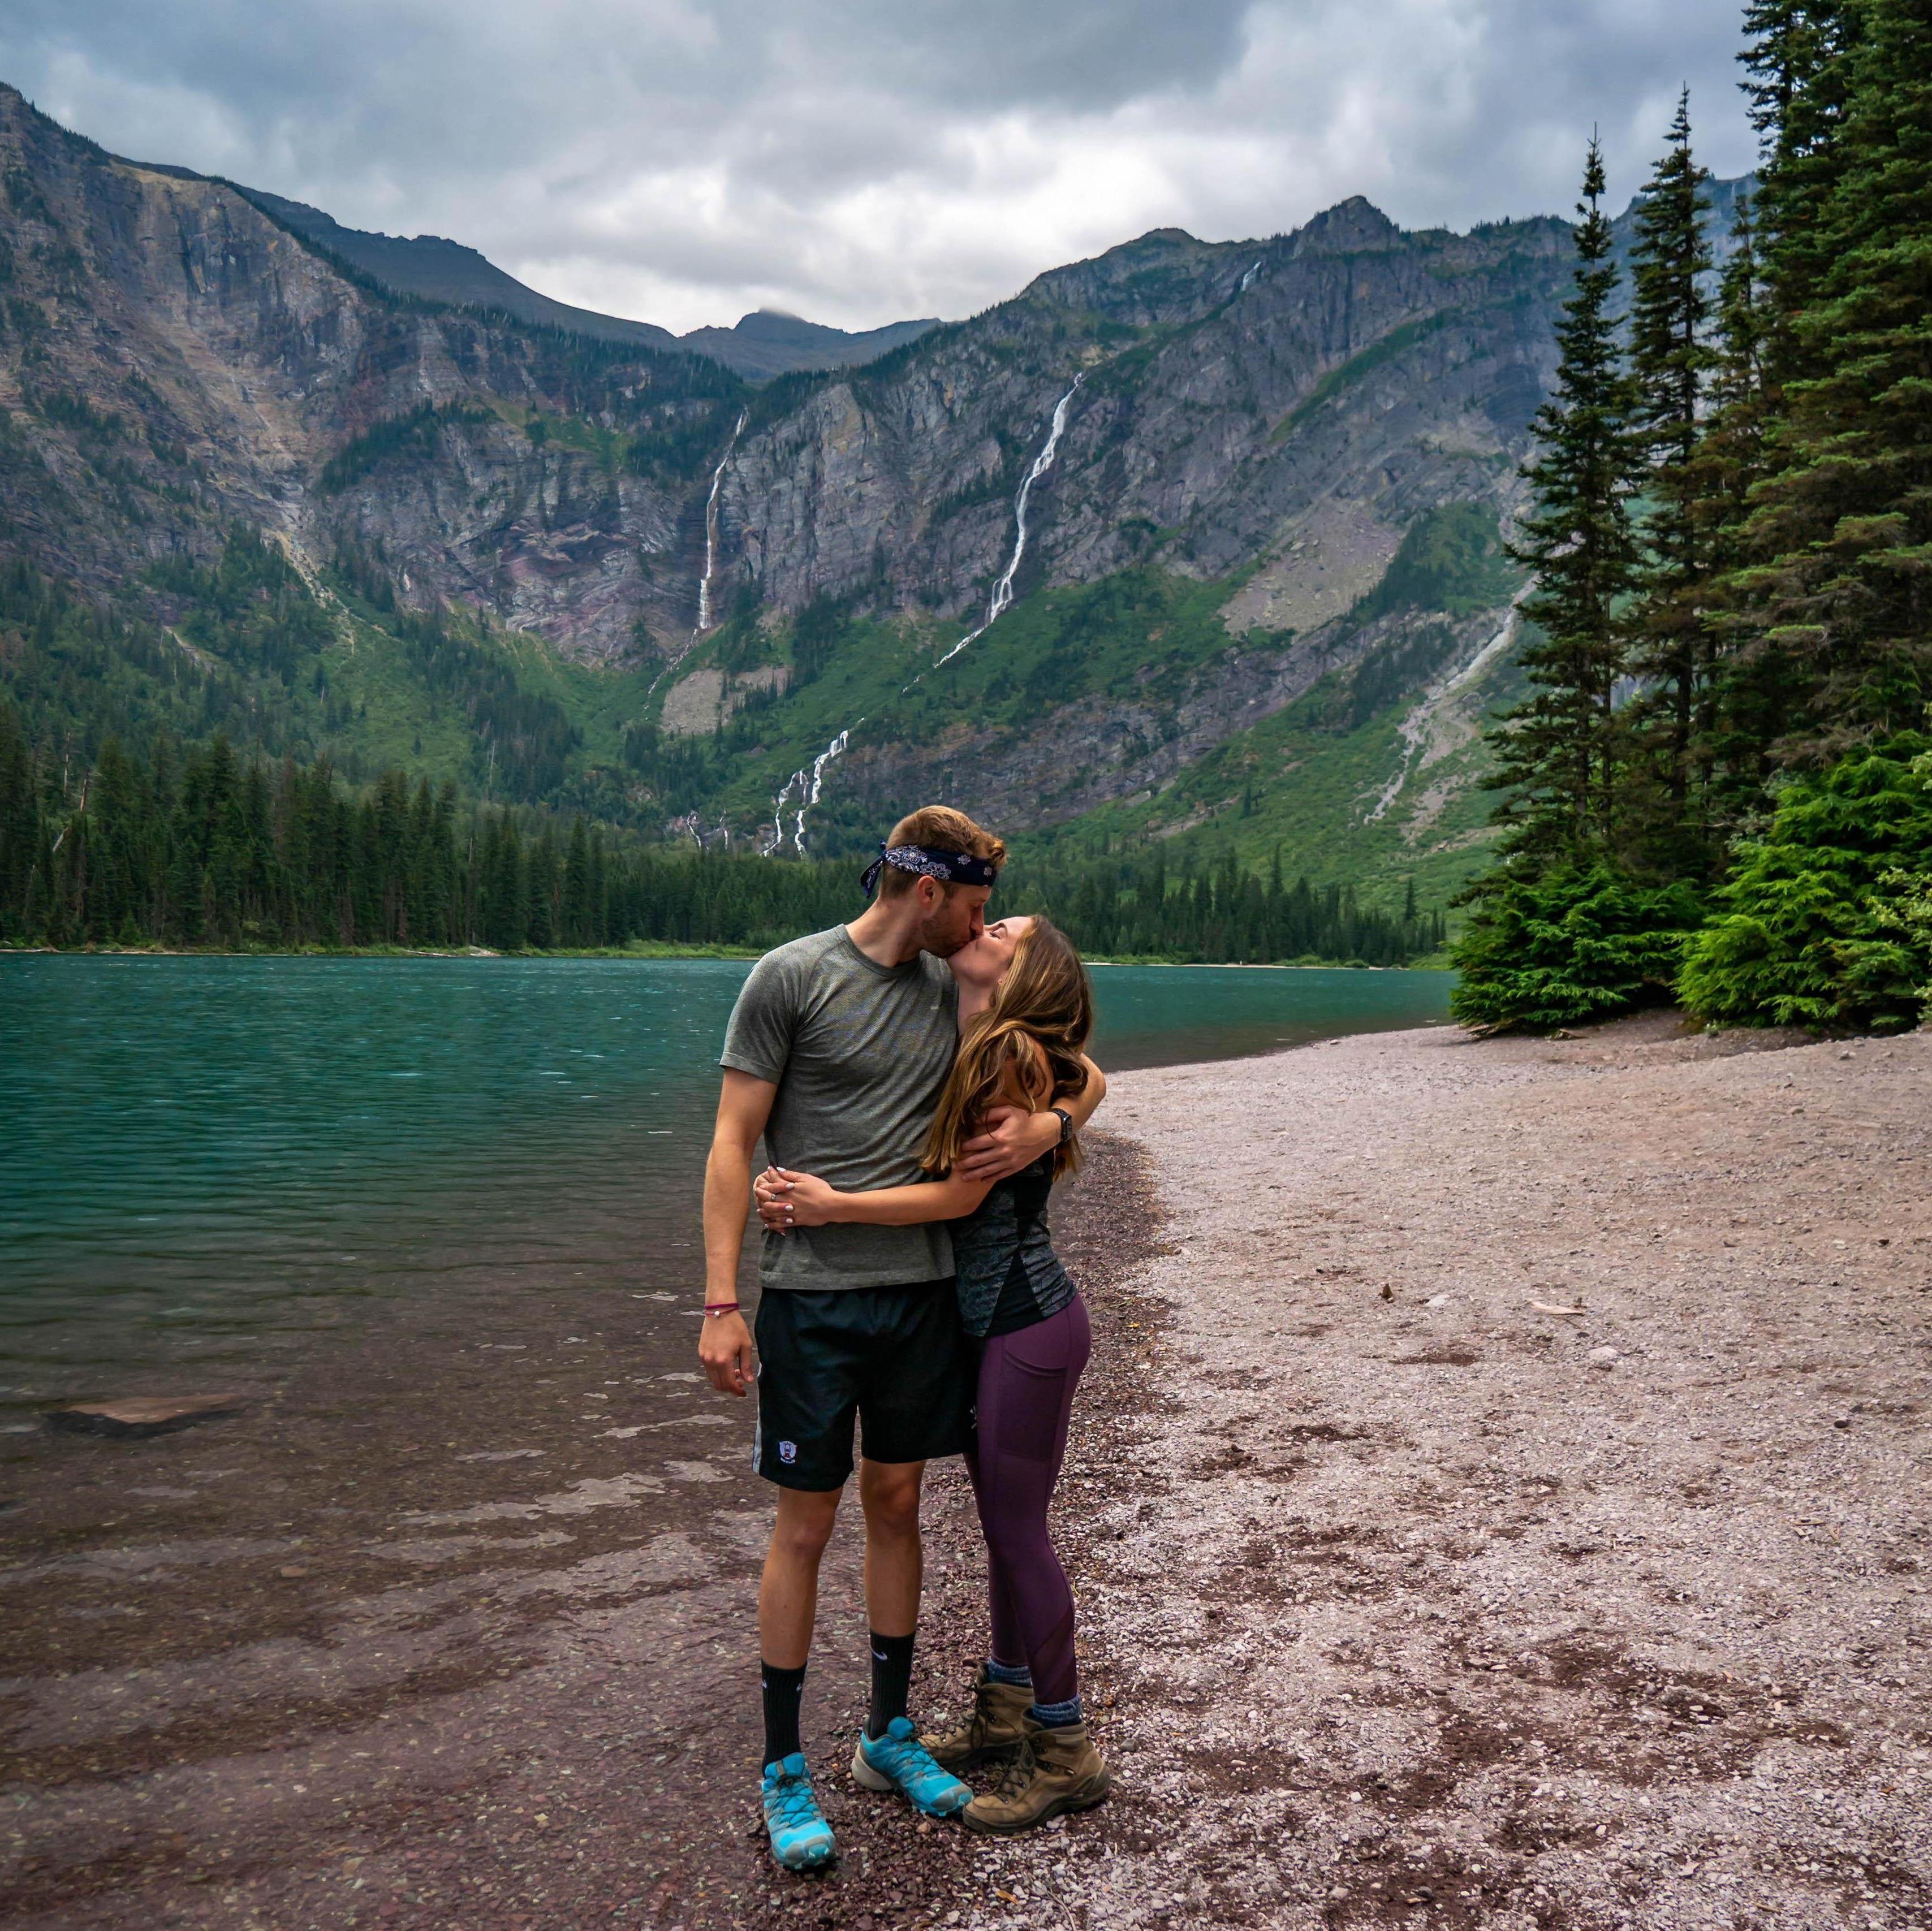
(1066, 1119)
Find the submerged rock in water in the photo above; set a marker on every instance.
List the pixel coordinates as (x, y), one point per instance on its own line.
(142, 1414)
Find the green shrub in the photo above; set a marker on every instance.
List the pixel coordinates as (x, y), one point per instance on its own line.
(1576, 943)
(1817, 925)
(1906, 907)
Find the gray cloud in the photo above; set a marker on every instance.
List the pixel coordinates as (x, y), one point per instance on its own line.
(856, 160)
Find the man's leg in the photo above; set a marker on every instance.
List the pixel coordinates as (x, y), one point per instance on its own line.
(895, 1569)
(787, 1605)
(788, 1602)
(913, 1405)
(889, 1755)
(807, 1400)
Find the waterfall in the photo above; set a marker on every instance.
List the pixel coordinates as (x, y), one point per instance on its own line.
(802, 789)
(711, 530)
(1248, 279)
(1003, 591)
(808, 784)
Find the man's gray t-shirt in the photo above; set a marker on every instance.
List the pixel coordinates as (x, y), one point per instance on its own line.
(860, 1053)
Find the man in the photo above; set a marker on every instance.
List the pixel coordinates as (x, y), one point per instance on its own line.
(837, 1052)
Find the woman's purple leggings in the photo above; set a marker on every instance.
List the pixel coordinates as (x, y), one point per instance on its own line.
(1027, 1380)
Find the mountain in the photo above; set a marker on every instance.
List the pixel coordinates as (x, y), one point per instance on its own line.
(1260, 602)
(433, 269)
(766, 343)
(762, 345)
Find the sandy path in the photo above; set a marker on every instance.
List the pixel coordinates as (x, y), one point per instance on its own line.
(1429, 1608)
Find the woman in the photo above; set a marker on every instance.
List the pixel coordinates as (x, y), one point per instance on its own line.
(1026, 1010)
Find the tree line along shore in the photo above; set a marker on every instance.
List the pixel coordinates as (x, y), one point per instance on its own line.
(198, 849)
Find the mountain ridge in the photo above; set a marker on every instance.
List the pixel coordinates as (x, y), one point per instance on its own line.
(713, 582)
(433, 267)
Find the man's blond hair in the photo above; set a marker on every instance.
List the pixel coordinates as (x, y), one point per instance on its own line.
(944, 829)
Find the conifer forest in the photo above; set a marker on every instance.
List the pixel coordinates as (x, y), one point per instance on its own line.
(1717, 787)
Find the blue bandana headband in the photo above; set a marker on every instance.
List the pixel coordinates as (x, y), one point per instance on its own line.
(953, 868)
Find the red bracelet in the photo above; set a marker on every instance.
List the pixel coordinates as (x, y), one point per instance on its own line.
(721, 1307)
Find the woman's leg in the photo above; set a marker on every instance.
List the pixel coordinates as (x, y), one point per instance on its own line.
(1005, 1644)
(1026, 1384)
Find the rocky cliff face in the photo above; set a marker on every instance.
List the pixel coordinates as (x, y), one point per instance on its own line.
(1263, 420)
(1236, 399)
(172, 362)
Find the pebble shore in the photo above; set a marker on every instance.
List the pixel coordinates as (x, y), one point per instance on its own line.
(1500, 1499)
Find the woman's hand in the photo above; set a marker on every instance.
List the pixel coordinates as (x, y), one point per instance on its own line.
(788, 1199)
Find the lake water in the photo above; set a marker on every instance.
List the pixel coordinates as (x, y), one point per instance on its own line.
(208, 1162)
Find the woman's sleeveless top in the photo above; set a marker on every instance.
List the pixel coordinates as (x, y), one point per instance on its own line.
(1009, 1276)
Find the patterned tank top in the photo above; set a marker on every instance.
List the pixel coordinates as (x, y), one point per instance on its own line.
(1009, 1276)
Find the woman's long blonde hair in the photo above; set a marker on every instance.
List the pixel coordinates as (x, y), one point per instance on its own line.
(1031, 1036)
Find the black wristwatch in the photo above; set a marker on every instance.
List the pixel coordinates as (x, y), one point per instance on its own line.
(1066, 1119)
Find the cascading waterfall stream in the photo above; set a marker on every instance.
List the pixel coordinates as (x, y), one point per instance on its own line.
(808, 784)
(711, 529)
(1003, 591)
(805, 785)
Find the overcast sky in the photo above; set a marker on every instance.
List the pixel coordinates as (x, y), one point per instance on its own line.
(858, 161)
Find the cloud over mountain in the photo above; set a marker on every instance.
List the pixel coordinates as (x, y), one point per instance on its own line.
(858, 160)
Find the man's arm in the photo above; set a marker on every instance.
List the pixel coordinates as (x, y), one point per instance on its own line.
(1016, 1138)
(724, 1341)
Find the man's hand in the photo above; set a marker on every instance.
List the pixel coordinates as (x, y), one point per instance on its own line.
(724, 1346)
(769, 1191)
(1013, 1138)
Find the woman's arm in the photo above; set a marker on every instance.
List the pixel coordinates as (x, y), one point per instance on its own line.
(1015, 1133)
(789, 1199)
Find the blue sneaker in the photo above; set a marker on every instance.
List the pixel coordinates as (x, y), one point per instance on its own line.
(898, 1761)
(801, 1838)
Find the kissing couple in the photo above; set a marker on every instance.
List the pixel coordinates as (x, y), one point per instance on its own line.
(919, 1077)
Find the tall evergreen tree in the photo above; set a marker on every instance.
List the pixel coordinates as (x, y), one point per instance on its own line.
(1741, 708)
(1840, 539)
(1671, 358)
(19, 823)
(1559, 753)
(1795, 54)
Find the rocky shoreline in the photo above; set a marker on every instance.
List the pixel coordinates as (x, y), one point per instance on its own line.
(1532, 1527)
(1498, 1500)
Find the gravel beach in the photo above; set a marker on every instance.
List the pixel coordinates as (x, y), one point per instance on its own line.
(1500, 1498)
(1431, 1604)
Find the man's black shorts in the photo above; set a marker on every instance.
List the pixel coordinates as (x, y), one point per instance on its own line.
(895, 1357)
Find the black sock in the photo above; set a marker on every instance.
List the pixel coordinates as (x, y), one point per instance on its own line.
(891, 1679)
(784, 1688)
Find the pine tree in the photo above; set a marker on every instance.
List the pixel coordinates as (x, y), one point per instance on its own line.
(576, 919)
(1840, 535)
(1795, 56)
(1671, 358)
(1743, 704)
(1560, 752)
(19, 823)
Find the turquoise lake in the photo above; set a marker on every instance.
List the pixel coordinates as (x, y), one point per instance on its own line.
(208, 1160)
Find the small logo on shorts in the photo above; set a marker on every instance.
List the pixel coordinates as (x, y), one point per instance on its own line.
(787, 1452)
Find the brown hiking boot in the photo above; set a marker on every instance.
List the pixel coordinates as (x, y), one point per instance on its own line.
(997, 1725)
(1053, 1771)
